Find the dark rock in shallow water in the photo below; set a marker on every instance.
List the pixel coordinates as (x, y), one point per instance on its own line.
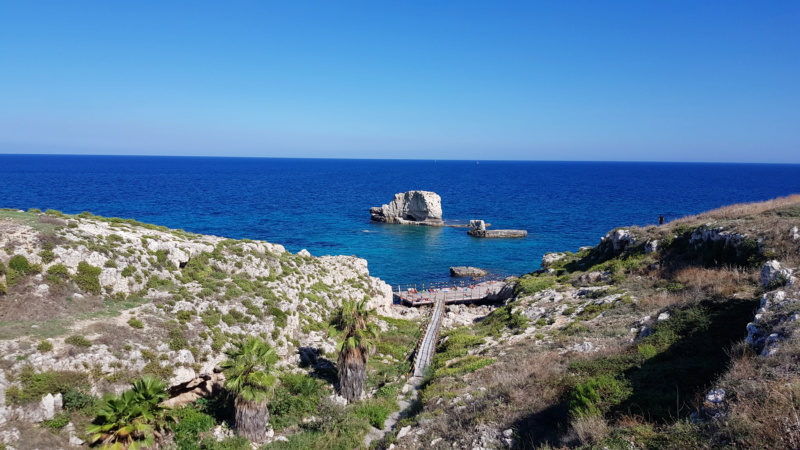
(463, 271)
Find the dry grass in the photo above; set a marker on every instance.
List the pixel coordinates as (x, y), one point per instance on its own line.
(586, 431)
(659, 301)
(719, 283)
(740, 210)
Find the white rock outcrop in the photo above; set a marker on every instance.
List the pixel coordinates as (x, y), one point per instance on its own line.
(772, 272)
(620, 239)
(411, 208)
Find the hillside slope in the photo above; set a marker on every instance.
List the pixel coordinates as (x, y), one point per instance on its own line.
(89, 304)
(678, 336)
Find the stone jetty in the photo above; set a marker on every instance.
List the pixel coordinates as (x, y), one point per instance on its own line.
(477, 228)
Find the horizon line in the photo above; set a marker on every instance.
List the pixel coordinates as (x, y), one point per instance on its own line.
(397, 159)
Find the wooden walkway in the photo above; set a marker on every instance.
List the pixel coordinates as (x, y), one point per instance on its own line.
(493, 290)
(427, 346)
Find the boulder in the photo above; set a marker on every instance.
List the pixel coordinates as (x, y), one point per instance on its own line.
(651, 246)
(550, 258)
(411, 208)
(477, 225)
(772, 273)
(463, 271)
(620, 239)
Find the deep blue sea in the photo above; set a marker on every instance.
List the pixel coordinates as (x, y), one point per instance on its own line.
(323, 204)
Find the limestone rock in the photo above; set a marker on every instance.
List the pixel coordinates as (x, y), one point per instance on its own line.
(463, 271)
(772, 272)
(411, 208)
(182, 375)
(620, 239)
(593, 277)
(550, 258)
(477, 225)
(651, 246)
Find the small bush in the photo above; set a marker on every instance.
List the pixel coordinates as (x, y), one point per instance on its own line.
(77, 400)
(128, 271)
(58, 272)
(78, 341)
(191, 422)
(529, 285)
(3, 289)
(110, 264)
(20, 264)
(47, 256)
(33, 385)
(44, 346)
(58, 422)
(596, 395)
(88, 277)
(376, 411)
(278, 315)
(466, 365)
(184, 316)
(135, 323)
(177, 339)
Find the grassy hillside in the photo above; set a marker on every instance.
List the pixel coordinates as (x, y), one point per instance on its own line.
(631, 344)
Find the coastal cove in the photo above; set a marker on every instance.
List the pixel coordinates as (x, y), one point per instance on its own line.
(323, 205)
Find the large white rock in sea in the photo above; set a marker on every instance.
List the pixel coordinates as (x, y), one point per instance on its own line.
(411, 208)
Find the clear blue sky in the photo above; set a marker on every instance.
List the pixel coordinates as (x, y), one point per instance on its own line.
(561, 80)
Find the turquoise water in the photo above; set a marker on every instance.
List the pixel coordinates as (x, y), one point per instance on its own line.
(323, 205)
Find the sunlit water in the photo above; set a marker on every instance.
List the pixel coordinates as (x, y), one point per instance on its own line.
(323, 205)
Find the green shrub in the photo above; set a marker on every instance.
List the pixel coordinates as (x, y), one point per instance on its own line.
(596, 395)
(177, 339)
(529, 284)
(503, 318)
(191, 422)
(33, 385)
(77, 400)
(58, 422)
(110, 264)
(88, 278)
(20, 264)
(297, 396)
(2, 268)
(44, 346)
(465, 365)
(135, 323)
(647, 350)
(3, 289)
(184, 316)
(47, 256)
(59, 271)
(376, 411)
(78, 341)
(279, 316)
(128, 271)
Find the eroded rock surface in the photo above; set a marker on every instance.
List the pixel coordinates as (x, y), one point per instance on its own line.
(411, 208)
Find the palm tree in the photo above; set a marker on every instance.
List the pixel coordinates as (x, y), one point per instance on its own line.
(131, 420)
(248, 379)
(353, 321)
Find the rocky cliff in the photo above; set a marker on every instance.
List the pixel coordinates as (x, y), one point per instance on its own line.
(106, 300)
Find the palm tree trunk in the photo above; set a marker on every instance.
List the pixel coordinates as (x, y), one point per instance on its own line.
(352, 368)
(252, 419)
